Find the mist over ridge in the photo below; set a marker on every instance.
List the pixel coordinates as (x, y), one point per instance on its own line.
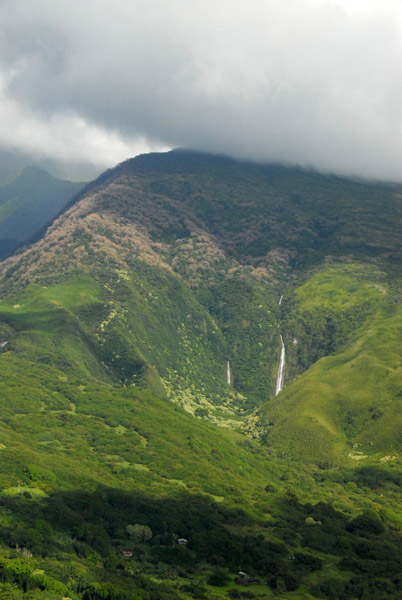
(313, 82)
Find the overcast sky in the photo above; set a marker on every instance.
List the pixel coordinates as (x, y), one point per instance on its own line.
(312, 82)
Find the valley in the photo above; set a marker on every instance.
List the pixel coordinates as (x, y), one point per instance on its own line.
(209, 349)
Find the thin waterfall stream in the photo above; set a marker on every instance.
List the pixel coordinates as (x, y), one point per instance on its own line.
(281, 367)
(228, 373)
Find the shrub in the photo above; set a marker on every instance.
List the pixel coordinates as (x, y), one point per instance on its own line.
(218, 578)
(367, 523)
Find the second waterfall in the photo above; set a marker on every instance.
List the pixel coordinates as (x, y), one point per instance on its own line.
(229, 378)
(281, 369)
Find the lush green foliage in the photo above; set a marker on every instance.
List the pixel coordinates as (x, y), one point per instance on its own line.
(131, 304)
(347, 405)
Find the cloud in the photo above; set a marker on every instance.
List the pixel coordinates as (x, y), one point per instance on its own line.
(313, 82)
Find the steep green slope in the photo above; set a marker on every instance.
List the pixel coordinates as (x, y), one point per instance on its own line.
(230, 238)
(348, 403)
(144, 329)
(134, 299)
(28, 202)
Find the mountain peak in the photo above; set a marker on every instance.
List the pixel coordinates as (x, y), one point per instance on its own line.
(29, 201)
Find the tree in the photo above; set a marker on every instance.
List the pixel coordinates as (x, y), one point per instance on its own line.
(218, 578)
(280, 587)
(139, 533)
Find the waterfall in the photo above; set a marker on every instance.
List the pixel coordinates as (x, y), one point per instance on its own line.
(228, 373)
(280, 300)
(281, 370)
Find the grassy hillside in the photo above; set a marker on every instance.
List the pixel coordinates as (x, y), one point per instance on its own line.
(126, 310)
(110, 435)
(89, 470)
(93, 330)
(347, 404)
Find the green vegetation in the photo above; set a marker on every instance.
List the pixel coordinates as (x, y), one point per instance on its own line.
(85, 467)
(346, 406)
(178, 234)
(90, 328)
(246, 311)
(119, 322)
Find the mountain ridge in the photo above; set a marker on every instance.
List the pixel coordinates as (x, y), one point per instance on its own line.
(178, 161)
(182, 221)
(121, 319)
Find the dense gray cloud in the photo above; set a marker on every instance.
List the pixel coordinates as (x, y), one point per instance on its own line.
(312, 82)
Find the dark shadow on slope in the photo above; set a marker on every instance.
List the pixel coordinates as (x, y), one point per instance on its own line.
(100, 525)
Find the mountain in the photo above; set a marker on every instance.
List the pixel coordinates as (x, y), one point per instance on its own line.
(202, 248)
(12, 163)
(28, 202)
(163, 288)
